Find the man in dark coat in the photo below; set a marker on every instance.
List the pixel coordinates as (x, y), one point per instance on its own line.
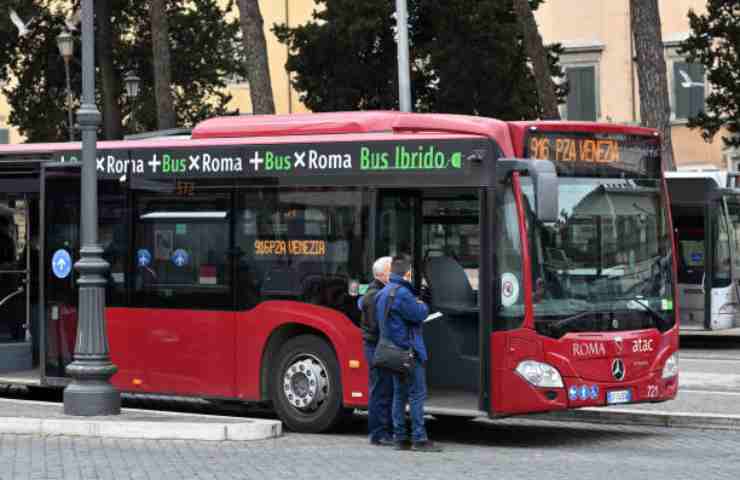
(403, 326)
(380, 386)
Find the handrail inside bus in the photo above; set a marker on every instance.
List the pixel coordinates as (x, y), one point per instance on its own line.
(182, 215)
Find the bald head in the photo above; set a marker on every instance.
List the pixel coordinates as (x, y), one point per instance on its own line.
(382, 269)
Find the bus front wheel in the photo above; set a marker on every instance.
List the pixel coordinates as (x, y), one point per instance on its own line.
(306, 388)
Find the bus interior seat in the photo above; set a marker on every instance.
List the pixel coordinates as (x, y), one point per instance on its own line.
(453, 340)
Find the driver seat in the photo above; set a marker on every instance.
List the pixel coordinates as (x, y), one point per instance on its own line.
(450, 287)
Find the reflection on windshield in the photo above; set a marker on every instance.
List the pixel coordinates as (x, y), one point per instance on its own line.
(606, 260)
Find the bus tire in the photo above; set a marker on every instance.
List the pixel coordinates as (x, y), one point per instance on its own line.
(306, 387)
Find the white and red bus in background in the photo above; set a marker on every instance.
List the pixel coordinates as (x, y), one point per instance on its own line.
(705, 207)
(238, 252)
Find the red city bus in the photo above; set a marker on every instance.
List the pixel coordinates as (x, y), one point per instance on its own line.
(238, 253)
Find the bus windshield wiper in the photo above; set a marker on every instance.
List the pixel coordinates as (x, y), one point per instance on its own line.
(559, 327)
(660, 320)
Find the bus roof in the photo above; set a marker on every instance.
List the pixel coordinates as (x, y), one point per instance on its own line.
(344, 123)
(719, 177)
(519, 129)
(325, 127)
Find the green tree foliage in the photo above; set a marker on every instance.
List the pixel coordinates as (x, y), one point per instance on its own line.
(345, 59)
(467, 57)
(715, 43)
(204, 56)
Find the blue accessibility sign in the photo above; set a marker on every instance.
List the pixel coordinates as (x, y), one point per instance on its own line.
(61, 264)
(143, 257)
(180, 257)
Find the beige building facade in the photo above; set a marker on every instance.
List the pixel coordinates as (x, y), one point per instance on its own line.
(597, 37)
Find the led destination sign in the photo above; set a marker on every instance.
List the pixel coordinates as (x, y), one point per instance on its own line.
(636, 153)
(564, 149)
(440, 156)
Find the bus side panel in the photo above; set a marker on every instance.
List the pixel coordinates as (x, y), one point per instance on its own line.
(255, 326)
(510, 393)
(181, 352)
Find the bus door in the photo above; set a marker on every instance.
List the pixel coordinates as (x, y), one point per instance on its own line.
(732, 209)
(695, 222)
(18, 295)
(60, 241)
(440, 230)
(722, 298)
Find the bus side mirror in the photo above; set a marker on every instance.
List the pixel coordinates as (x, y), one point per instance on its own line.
(545, 181)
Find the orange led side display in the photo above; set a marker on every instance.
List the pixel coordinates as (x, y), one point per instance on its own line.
(281, 248)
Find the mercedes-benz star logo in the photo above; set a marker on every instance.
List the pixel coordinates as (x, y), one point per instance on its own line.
(618, 369)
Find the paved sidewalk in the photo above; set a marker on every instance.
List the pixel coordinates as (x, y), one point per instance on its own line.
(42, 418)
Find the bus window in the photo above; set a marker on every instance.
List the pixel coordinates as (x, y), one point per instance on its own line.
(688, 223)
(734, 214)
(451, 229)
(509, 256)
(307, 244)
(113, 236)
(181, 247)
(721, 242)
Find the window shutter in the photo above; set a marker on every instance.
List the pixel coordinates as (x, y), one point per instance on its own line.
(582, 94)
(696, 99)
(689, 97)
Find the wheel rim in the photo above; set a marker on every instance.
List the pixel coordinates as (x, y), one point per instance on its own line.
(306, 383)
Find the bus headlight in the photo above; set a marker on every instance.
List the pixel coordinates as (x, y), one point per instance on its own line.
(728, 309)
(540, 374)
(670, 369)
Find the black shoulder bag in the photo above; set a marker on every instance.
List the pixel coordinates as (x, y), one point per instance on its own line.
(387, 354)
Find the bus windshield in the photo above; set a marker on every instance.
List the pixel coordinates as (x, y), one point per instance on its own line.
(605, 264)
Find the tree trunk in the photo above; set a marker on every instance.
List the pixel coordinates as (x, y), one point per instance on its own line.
(655, 110)
(162, 67)
(258, 70)
(536, 51)
(109, 80)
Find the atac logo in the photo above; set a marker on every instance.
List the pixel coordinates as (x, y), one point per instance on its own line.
(588, 350)
(618, 345)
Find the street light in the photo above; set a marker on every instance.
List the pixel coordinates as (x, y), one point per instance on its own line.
(90, 393)
(66, 44)
(404, 75)
(132, 83)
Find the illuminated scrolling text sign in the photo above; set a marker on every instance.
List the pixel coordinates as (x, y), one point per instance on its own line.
(446, 156)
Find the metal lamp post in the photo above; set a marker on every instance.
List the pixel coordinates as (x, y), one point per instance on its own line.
(90, 392)
(66, 44)
(404, 75)
(132, 83)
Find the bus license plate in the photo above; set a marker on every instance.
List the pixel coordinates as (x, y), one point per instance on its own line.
(618, 396)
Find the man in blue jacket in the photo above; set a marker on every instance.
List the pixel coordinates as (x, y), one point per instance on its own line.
(403, 327)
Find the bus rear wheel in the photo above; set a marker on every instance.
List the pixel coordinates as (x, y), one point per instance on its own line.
(306, 388)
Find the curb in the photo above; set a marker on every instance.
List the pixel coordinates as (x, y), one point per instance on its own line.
(661, 418)
(218, 429)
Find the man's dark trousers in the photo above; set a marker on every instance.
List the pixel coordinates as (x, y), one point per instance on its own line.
(411, 389)
(379, 404)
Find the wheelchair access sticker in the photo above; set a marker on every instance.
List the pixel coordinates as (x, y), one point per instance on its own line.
(509, 289)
